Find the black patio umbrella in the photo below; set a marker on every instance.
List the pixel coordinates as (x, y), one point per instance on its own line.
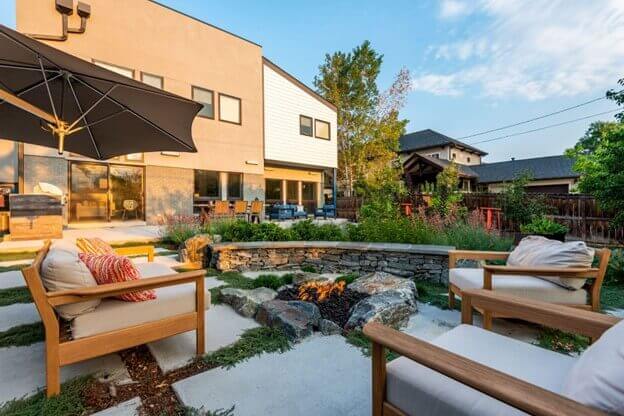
(53, 99)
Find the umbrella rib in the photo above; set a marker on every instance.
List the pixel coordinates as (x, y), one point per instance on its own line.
(31, 87)
(106, 118)
(45, 79)
(95, 146)
(145, 120)
(95, 104)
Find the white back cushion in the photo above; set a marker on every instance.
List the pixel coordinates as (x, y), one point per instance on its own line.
(62, 269)
(540, 251)
(597, 378)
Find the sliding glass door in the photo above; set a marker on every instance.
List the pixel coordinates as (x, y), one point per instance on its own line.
(101, 192)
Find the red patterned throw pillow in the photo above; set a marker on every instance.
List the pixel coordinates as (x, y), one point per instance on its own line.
(110, 268)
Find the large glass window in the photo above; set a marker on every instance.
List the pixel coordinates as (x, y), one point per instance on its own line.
(322, 129)
(308, 191)
(292, 194)
(207, 184)
(273, 189)
(126, 72)
(206, 98)
(305, 126)
(152, 80)
(235, 186)
(229, 109)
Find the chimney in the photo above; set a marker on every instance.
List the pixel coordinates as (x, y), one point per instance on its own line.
(513, 158)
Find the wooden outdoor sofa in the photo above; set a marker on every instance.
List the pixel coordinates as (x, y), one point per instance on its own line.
(446, 377)
(62, 350)
(586, 298)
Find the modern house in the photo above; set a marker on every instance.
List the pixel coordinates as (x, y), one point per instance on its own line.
(261, 133)
(426, 153)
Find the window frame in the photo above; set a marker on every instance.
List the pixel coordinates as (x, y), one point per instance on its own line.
(106, 65)
(212, 93)
(316, 120)
(162, 79)
(301, 117)
(240, 109)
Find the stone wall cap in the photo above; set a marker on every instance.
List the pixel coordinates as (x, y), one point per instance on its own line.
(343, 245)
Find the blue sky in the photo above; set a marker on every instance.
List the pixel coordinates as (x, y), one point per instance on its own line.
(476, 64)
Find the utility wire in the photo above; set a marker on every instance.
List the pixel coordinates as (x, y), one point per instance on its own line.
(546, 127)
(534, 119)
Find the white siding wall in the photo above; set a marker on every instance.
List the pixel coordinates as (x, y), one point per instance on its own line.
(284, 102)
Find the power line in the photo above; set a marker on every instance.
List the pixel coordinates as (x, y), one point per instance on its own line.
(546, 127)
(533, 119)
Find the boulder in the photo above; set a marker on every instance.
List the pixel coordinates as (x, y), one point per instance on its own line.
(302, 277)
(295, 318)
(192, 250)
(392, 308)
(379, 282)
(247, 302)
(328, 327)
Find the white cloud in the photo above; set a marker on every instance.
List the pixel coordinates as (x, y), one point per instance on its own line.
(534, 50)
(450, 9)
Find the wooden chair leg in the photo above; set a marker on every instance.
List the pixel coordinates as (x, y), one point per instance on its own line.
(487, 320)
(379, 378)
(201, 310)
(451, 298)
(53, 368)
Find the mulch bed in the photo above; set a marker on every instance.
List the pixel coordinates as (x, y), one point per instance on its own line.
(335, 308)
(151, 385)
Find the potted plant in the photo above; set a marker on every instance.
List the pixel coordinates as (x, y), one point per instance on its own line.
(544, 227)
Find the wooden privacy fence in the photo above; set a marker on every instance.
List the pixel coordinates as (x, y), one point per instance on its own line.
(580, 213)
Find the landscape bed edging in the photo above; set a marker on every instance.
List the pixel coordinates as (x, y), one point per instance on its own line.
(426, 262)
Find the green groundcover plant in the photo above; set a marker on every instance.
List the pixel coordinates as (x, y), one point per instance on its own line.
(543, 226)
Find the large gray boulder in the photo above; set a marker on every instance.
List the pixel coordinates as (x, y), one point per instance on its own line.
(247, 302)
(328, 327)
(392, 308)
(295, 318)
(379, 282)
(302, 277)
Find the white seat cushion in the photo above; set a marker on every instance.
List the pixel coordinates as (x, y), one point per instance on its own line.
(418, 390)
(113, 314)
(525, 286)
(597, 379)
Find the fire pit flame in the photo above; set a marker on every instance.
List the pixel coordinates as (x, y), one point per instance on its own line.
(320, 290)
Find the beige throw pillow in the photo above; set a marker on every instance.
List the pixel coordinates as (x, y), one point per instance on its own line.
(535, 251)
(62, 269)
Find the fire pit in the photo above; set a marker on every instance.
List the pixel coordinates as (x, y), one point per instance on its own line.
(333, 299)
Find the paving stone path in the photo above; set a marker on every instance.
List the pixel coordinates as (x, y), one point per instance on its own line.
(129, 408)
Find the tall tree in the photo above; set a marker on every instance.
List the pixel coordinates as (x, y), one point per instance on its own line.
(368, 122)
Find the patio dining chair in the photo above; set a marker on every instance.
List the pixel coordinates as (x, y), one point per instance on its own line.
(548, 271)
(240, 209)
(470, 371)
(257, 210)
(221, 209)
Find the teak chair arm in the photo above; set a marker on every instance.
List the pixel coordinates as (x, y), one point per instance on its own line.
(565, 318)
(137, 250)
(579, 272)
(515, 392)
(65, 297)
(455, 255)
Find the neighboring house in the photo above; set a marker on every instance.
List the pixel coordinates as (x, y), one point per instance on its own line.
(261, 134)
(426, 153)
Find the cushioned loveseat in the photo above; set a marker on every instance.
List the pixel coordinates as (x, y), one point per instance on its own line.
(84, 320)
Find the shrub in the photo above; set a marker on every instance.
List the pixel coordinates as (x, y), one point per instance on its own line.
(517, 205)
(615, 270)
(179, 228)
(308, 231)
(347, 278)
(271, 281)
(543, 226)
(245, 231)
(308, 269)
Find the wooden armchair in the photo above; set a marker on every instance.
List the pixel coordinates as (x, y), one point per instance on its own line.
(588, 298)
(504, 387)
(61, 351)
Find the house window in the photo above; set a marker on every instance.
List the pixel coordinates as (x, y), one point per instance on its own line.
(229, 109)
(454, 156)
(308, 191)
(468, 159)
(134, 157)
(207, 184)
(305, 126)
(292, 192)
(117, 69)
(235, 186)
(435, 155)
(206, 98)
(273, 189)
(322, 129)
(152, 80)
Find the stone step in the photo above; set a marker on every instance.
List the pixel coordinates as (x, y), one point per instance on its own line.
(129, 408)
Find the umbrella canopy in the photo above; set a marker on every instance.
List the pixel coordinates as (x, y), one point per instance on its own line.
(53, 99)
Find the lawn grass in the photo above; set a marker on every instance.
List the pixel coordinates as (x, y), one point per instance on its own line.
(22, 335)
(237, 280)
(14, 295)
(358, 339)
(435, 294)
(68, 403)
(560, 341)
(252, 342)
